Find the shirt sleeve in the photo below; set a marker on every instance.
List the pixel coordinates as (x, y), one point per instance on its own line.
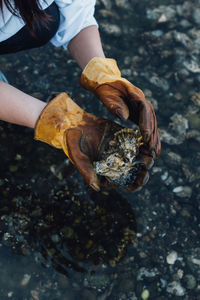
(75, 15)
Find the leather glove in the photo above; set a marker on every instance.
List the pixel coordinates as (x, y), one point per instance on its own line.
(102, 77)
(64, 125)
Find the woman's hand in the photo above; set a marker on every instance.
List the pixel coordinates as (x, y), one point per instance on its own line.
(102, 77)
(65, 125)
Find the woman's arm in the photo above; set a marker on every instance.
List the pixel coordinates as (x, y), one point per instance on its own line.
(17, 107)
(86, 45)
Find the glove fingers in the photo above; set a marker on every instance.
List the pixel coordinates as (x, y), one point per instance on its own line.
(154, 143)
(147, 119)
(147, 160)
(149, 130)
(158, 145)
(112, 99)
(80, 160)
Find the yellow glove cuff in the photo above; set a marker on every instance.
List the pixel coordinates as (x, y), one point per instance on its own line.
(59, 114)
(99, 71)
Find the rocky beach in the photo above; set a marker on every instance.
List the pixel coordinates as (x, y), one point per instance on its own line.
(61, 241)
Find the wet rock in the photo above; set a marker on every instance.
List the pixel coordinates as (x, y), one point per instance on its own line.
(143, 272)
(194, 121)
(183, 39)
(183, 191)
(127, 285)
(174, 158)
(111, 29)
(179, 125)
(192, 65)
(189, 174)
(161, 14)
(190, 281)
(106, 3)
(196, 15)
(172, 257)
(55, 238)
(145, 294)
(122, 3)
(185, 23)
(196, 98)
(10, 294)
(25, 279)
(195, 261)
(185, 9)
(167, 138)
(180, 274)
(193, 134)
(97, 281)
(175, 288)
(164, 176)
(159, 82)
(157, 33)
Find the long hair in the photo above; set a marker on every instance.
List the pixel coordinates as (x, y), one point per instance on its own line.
(29, 10)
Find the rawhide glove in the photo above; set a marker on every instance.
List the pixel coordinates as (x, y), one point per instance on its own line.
(102, 77)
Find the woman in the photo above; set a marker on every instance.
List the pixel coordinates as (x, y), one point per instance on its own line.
(26, 24)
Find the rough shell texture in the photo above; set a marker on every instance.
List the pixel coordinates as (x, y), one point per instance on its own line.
(118, 164)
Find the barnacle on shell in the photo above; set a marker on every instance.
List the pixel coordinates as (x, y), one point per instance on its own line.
(118, 163)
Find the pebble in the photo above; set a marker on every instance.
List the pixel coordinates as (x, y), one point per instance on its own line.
(107, 3)
(179, 124)
(168, 138)
(175, 288)
(190, 281)
(183, 191)
(194, 121)
(97, 281)
(111, 29)
(145, 294)
(143, 272)
(161, 14)
(55, 238)
(174, 158)
(192, 66)
(159, 82)
(10, 294)
(196, 98)
(172, 257)
(196, 16)
(25, 280)
(122, 3)
(164, 176)
(180, 273)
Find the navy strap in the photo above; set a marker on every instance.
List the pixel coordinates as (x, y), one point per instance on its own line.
(24, 40)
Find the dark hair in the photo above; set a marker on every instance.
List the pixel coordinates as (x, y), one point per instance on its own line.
(29, 10)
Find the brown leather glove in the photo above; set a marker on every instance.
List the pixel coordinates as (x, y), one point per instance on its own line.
(64, 125)
(102, 77)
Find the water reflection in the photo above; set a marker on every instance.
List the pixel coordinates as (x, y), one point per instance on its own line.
(67, 229)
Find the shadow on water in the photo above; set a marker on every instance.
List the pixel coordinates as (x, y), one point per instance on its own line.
(67, 229)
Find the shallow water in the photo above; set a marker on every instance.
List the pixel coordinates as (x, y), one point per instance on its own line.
(61, 241)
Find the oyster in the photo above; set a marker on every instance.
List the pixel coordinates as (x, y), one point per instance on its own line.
(118, 163)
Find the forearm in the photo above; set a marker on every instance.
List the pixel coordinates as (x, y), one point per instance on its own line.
(86, 45)
(17, 107)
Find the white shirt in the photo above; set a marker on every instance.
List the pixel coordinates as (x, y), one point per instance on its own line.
(75, 15)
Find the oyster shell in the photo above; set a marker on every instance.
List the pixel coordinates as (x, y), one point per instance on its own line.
(118, 163)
